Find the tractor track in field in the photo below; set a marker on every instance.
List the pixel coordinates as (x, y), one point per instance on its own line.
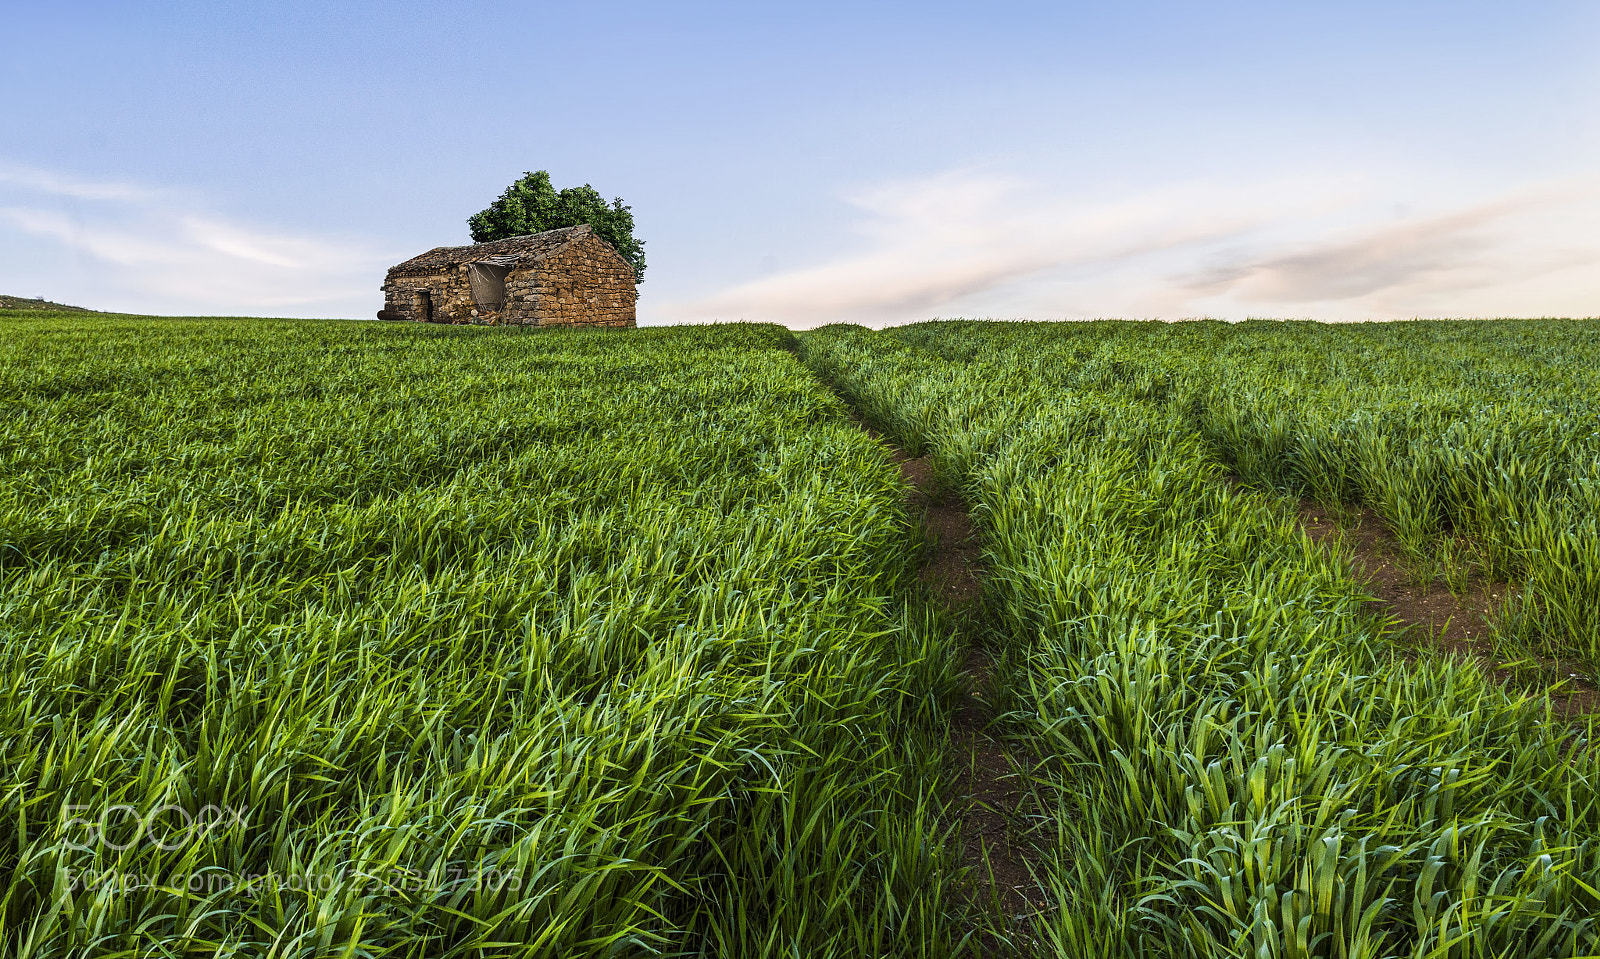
(989, 787)
(1455, 624)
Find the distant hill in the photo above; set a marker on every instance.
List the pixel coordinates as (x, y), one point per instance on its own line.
(36, 303)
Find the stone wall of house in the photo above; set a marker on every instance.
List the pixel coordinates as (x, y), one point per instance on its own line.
(582, 283)
(449, 299)
(585, 283)
(402, 299)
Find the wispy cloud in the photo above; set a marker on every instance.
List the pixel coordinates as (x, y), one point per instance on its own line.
(1529, 251)
(976, 243)
(59, 184)
(970, 242)
(139, 247)
(1342, 270)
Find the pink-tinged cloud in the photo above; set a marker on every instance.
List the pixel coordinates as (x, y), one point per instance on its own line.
(974, 244)
(1505, 242)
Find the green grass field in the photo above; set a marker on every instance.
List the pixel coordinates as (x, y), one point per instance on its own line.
(1235, 757)
(355, 639)
(557, 644)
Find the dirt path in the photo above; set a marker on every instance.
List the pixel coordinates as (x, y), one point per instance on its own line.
(989, 787)
(1455, 624)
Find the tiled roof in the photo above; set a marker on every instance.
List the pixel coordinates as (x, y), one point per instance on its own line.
(504, 252)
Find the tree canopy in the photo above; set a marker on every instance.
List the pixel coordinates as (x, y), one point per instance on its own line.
(532, 205)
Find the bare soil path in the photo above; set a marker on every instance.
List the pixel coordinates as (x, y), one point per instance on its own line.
(989, 780)
(1455, 623)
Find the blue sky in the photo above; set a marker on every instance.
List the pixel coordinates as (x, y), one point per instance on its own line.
(803, 163)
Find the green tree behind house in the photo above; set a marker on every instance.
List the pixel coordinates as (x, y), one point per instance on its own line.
(533, 205)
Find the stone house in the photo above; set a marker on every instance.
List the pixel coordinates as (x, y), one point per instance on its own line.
(565, 277)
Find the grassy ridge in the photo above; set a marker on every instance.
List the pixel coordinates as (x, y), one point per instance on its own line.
(1233, 759)
(37, 304)
(374, 640)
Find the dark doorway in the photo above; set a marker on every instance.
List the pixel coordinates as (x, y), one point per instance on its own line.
(424, 306)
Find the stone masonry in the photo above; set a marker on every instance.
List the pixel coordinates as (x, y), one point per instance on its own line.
(566, 277)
